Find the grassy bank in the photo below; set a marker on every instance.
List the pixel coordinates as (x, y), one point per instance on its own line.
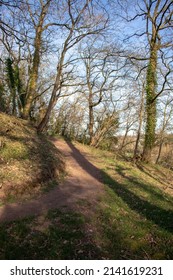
(29, 163)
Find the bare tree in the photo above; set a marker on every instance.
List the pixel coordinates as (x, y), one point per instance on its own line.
(167, 114)
(82, 20)
(68, 119)
(101, 73)
(140, 114)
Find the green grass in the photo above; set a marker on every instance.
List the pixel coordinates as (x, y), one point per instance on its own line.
(134, 220)
(136, 224)
(14, 150)
(56, 235)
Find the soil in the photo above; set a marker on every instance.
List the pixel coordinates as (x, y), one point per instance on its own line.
(82, 184)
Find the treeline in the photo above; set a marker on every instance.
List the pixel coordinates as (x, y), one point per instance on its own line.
(94, 71)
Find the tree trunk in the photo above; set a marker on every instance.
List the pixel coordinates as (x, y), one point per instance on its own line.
(124, 138)
(141, 112)
(53, 99)
(165, 121)
(57, 86)
(46, 117)
(39, 28)
(91, 123)
(98, 137)
(160, 150)
(150, 106)
(14, 110)
(33, 78)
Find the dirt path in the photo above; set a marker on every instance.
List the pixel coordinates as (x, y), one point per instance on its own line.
(83, 182)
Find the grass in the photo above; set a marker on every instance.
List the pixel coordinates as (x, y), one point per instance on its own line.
(133, 219)
(55, 235)
(136, 225)
(29, 163)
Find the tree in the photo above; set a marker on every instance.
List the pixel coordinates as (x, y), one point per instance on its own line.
(68, 119)
(159, 18)
(15, 28)
(39, 28)
(82, 20)
(167, 114)
(106, 129)
(140, 113)
(11, 80)
(100, 78)
(2, 98)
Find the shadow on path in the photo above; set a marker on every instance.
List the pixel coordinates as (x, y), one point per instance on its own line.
(84, 163)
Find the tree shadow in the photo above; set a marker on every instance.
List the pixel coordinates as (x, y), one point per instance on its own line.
(157, 215)
(59, 235)
(162, 179)
(149, 188)
(84, 163)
